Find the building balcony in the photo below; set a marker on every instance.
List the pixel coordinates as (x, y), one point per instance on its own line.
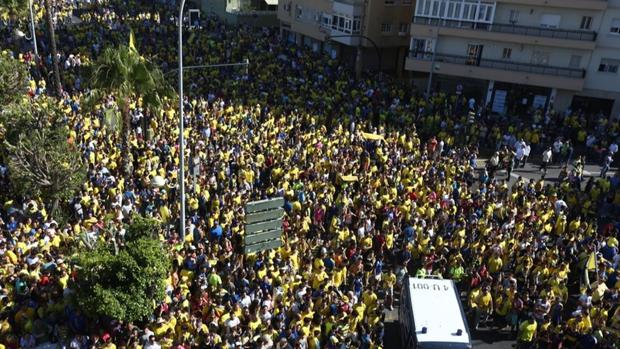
(498, 70)
(518, 34)
(598, 5)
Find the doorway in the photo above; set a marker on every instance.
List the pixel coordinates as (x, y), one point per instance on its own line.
(591, 105)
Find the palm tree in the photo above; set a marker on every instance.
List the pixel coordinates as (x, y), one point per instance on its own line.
(126, 75)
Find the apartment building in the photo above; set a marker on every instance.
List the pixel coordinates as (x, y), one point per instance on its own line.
(517, 53)
(380, 27)
(251, 12)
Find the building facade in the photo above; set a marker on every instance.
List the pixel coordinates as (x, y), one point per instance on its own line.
(518, 53)
(252, 12)
(338, 27)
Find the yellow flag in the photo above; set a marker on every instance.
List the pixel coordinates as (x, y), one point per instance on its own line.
(591, 262)
(372, 136)
(349, 178)
(132, 41)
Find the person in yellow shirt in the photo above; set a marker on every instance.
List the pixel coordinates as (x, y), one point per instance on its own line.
(389, 280)
(484, 306)
(527, 333)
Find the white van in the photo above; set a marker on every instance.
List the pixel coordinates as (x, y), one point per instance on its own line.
(431, 315)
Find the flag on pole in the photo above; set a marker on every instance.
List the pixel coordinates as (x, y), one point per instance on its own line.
(132, 41)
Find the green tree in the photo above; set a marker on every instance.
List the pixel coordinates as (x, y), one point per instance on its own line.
(122, 72)
(26, 115)
(142, 227)
(15, 9)
(13, 77)
(126, 285)
(19, 10)
(13, 80)
(43, 164)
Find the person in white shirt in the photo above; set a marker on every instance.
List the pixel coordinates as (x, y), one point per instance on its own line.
(559, 206)
(546, 159)
(557, 147)
(151, 343)
(526, 154)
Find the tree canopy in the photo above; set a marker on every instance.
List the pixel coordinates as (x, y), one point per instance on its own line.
(124, 286)
(14, 8)
(13, 80)
(42, 163)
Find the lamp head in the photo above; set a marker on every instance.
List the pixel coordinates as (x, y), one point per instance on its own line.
(18, 34)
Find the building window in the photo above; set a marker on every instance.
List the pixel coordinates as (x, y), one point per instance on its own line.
(586, 23)
(615, 26)
(298, 11)
(609, 65)
(357, 24)
(540, 58)
(514, 17)
(506, 53)
(461, 10)
(345, 24)
(550, 21)
(326, 20)
(386, 28)
(474, 54)
(390, 2)
(287, 8)
(421, 47)
(575, 61)
(403, 28)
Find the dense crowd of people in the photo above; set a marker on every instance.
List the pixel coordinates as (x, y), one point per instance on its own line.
(363, 212)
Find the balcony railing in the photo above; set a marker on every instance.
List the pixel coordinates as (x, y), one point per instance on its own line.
(499, 64)
(581, 35)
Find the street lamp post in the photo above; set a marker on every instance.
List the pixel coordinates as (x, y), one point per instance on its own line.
(34, 34)
(181, 175)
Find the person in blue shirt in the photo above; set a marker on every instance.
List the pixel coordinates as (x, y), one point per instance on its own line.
(216, 231)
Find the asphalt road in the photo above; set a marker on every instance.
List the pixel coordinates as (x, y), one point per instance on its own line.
(531, 171)
(489, 338)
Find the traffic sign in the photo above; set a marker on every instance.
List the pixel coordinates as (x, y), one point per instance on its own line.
(263, 225)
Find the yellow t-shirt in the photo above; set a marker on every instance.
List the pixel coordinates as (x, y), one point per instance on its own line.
(527, 330)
